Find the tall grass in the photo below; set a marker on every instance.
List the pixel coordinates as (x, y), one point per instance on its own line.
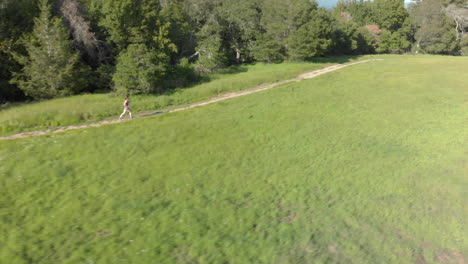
(96, 107)
(362, 165)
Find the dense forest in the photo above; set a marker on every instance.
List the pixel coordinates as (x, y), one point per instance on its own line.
(53, 48)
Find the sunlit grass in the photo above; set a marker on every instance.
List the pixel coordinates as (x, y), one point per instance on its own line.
(363, 165)
(95, 107)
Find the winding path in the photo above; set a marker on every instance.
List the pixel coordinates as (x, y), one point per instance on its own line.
(222, 97)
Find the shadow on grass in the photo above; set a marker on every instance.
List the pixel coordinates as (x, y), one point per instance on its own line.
(336, 59)
(9, 105)
(152, 114)
(236, 69)
(205, 78)
(231, 70)
(201, 79)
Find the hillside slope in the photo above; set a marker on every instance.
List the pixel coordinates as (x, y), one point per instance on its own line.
(362, 165)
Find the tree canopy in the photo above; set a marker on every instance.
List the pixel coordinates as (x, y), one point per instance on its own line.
(50, 67)
(51, 48)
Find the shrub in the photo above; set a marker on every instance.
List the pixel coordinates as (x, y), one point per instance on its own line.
(140, 70)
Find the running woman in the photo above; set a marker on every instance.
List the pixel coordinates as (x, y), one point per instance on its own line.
(126, 105)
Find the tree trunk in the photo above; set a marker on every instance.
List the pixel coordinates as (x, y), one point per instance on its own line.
(83, 36)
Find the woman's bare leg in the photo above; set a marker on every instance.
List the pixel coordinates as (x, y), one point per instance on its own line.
(123, 113)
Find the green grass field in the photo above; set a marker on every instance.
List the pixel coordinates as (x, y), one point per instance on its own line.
(95, 107)
(367, 164)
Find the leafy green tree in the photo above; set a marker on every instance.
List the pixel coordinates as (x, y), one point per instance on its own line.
(348, 38)
(392, 42)
(16, 17)
(464, 45)
(435, 31)
(398, 41)
(365, 41)
(141, 46)
(278, 22)
(180, 31)
(210, 48)
(127, 21)
(280, 19)
(362, 12)
(241, 25)
(267, 49)
(51, 68)
(158, 32)
(437, 37)
(389, 14)
(224, 31)
(140, 70)
(313, 38)
(343, 38)
(180, 75)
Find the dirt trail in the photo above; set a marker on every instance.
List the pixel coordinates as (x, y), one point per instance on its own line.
(222, 97)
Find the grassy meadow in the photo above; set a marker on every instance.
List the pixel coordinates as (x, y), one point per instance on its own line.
(90, 108)
(367, 164)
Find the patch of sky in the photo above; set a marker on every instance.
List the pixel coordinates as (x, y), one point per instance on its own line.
(329, 4)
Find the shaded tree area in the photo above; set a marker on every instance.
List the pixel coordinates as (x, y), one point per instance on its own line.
(441, 26)
(53, 48)
(386, 20)
(50, 67)
(16, 17)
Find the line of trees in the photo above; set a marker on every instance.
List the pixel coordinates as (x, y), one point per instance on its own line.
(52, 48)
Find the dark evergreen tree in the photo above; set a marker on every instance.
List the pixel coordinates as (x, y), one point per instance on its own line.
(241, 26)
(389, 14)
(267, 49)
(397, 41)
(16, 17)
(348, 38)
(50, 68)
(362, 12)
(212, 40)
(365, 41)
(126, 21)
(312, 39)
(140, 70)
(280, 19)
(8, 91)
(179, 28)
(210, 49)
